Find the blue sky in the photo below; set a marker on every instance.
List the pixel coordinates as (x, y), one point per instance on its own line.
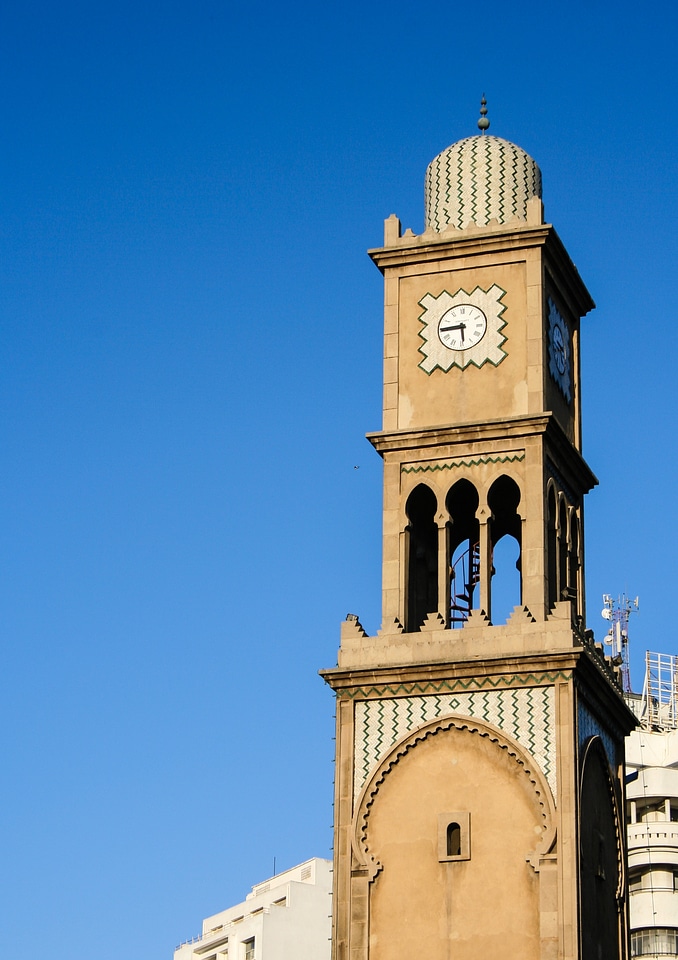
(190, 344)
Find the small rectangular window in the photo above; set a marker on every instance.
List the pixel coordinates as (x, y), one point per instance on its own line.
(652, 812)
(249, 949)
(454, 836)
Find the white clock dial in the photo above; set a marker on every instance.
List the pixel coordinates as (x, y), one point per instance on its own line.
(462, 327)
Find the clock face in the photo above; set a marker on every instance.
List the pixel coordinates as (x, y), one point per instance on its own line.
(462, 327)
(559, 354)
(559, 350)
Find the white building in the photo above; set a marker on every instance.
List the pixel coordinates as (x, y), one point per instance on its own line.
(652, 812)
(285, 918)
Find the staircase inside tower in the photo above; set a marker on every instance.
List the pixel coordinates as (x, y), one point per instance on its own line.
(464, 577)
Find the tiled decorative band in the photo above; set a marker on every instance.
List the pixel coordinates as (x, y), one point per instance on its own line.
(526, 714)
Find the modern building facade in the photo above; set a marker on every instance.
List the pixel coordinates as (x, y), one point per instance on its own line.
(285, 918)
(652, 812)
(479, 805)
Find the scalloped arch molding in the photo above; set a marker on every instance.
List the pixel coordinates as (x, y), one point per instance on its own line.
(416, 899)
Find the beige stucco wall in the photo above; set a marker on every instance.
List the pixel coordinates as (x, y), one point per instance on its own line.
(485, 906)
(473, 393)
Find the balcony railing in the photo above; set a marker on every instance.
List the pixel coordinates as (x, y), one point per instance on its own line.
(662, 832)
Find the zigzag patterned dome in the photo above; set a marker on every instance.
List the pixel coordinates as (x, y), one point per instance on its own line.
(479, 179)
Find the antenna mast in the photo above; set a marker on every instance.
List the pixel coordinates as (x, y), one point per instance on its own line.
(617, 613)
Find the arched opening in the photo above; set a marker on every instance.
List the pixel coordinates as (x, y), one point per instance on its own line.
(422, 572)
(505, 541)
(505, 578)
(453, 840)
(573, 559)
(600, 857)
(462, 549)
(563, 549)
(552, 548)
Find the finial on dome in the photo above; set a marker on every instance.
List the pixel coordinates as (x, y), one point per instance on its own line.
(483, 123)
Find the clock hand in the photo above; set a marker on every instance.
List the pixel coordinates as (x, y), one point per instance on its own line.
(457, 326)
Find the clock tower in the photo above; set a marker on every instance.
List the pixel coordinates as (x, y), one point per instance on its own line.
(478, 792)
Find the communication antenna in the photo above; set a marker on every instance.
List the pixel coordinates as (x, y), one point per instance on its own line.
(617, 613)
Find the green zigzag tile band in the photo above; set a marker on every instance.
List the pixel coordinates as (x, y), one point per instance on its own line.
(456, 464)
(432, 686)
(379, 724)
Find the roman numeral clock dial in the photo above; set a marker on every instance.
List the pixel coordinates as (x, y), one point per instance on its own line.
(461, 329)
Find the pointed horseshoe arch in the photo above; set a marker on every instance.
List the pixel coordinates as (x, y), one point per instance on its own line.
(546, 842)
(602, 866)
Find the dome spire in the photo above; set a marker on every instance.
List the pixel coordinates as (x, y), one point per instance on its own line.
(483, 123)
(477, 180)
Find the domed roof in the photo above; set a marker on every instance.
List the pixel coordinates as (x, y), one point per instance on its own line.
(479, 179)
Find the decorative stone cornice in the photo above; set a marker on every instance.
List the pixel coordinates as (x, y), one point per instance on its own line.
(515, 236)
(446, 439)
(470, 674)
